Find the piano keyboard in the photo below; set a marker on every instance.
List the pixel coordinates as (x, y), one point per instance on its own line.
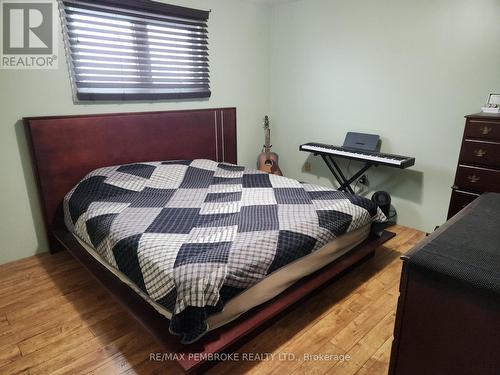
(368, 156)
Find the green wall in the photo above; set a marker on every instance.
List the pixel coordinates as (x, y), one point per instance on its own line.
(239, 77)
(407, 70)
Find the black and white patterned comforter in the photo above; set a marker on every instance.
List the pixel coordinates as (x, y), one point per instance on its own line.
(193, 234)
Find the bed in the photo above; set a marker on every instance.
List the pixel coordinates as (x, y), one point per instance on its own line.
(200, 250)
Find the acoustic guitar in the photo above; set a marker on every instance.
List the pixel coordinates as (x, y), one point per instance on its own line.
(268, 161)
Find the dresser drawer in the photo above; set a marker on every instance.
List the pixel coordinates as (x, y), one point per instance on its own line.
(482, 129)
(482, 153)
(460, 199)
(478, 179)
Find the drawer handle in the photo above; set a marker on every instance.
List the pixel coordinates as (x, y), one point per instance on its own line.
(479, 153)
(473, 178)
(485, 129)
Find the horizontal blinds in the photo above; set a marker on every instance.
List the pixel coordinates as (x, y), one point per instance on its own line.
(136, 49)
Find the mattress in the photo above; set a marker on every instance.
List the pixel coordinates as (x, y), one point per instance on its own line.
(193, 235)
(267, 288)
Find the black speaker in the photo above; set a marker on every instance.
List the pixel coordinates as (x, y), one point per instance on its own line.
(383, 200)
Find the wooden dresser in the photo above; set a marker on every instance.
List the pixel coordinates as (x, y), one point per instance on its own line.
(448, 315)
(478, 169)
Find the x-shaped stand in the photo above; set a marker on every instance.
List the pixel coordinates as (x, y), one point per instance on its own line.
(345, 184)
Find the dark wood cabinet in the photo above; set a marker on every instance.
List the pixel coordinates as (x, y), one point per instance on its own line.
(481, 153)
(461, 198)
(448, 314)
(478, 169)
(476, 179)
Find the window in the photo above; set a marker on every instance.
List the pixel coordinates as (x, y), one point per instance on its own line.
(135, 49)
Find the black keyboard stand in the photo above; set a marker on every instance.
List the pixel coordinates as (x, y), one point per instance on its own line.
(345, 184)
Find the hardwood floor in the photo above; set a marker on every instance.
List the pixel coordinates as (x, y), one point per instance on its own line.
(56, 319)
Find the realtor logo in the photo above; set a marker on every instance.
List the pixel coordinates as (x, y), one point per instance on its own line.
(29, 34)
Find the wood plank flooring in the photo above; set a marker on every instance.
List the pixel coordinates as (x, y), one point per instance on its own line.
(56, 319)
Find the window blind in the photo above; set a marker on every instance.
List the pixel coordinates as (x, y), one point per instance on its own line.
(136, 49)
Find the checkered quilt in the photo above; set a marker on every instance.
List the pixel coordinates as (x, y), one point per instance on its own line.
(193, 234)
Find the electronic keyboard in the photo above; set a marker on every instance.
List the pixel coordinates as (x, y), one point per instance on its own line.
(372, 157)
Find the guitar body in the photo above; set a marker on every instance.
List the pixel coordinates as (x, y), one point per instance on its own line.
(267, 160)
(269, 165)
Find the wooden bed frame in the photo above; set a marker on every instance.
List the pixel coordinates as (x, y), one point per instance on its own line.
(66, 148)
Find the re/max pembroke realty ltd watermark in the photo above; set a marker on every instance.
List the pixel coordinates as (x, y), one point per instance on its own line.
(249, 357)
(29, 37)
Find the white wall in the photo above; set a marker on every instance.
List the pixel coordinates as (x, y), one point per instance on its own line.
(239, 74)
(407, 70)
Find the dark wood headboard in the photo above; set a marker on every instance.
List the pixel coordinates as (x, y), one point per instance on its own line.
(66, 148)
